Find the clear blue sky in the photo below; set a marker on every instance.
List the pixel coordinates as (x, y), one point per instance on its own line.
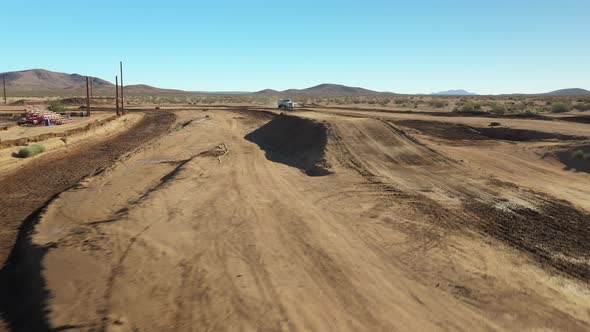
(496, 46)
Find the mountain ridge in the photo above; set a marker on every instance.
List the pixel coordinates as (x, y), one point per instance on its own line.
(42, 82)
(324, 89)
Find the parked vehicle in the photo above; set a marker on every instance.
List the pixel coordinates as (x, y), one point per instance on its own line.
(286, 104)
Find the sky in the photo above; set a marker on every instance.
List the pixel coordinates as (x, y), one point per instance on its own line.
(488, 47)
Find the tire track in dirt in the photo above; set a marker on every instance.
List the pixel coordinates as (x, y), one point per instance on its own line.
(550, 230)
(115, 271)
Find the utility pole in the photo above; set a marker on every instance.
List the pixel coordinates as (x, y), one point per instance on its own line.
(117, 93)
(87, 96)
(91, 95)
(4, 85)
(122, 96)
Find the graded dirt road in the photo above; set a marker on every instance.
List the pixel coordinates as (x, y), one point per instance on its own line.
(241, 220)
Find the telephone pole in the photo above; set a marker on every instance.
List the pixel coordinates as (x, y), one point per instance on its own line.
(117, 93)
(87, 96)
(4, 85)
(122, 96)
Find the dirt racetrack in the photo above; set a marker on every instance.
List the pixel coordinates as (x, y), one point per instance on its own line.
(223, 224)
(25, 191)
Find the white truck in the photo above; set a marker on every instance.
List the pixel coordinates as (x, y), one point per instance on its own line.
(286, 104)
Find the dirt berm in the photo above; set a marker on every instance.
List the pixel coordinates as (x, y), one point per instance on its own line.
(295, 142)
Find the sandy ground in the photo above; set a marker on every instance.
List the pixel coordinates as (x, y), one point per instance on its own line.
(240, 220)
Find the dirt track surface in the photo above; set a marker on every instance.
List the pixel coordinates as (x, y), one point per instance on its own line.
(23, 192)
(224, 224)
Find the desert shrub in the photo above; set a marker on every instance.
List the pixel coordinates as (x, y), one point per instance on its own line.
(559, 108)
(498, 109)
(438, 103)
(399, 101)
(467, 108)
(583, 107)
(57, 107)
(31, 150)
(578, 154)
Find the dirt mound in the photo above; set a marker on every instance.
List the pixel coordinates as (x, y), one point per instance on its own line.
(524, 135)
(294, 141)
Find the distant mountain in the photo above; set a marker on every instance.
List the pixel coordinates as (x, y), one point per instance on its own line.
(454, 93)
(556, 93)
(568, 92)
(45, 82)
(322, 90)
(41, 82)
(267, 92)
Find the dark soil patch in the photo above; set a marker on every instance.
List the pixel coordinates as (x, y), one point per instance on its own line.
(455, 131)
(294, 141)
(578, 118)
(524, 135)
(530, 116)
(555, 235)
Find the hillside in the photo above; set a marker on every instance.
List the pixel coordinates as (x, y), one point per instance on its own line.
(45, 82)
(41, 82)
(322, 90)
(569, 92)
